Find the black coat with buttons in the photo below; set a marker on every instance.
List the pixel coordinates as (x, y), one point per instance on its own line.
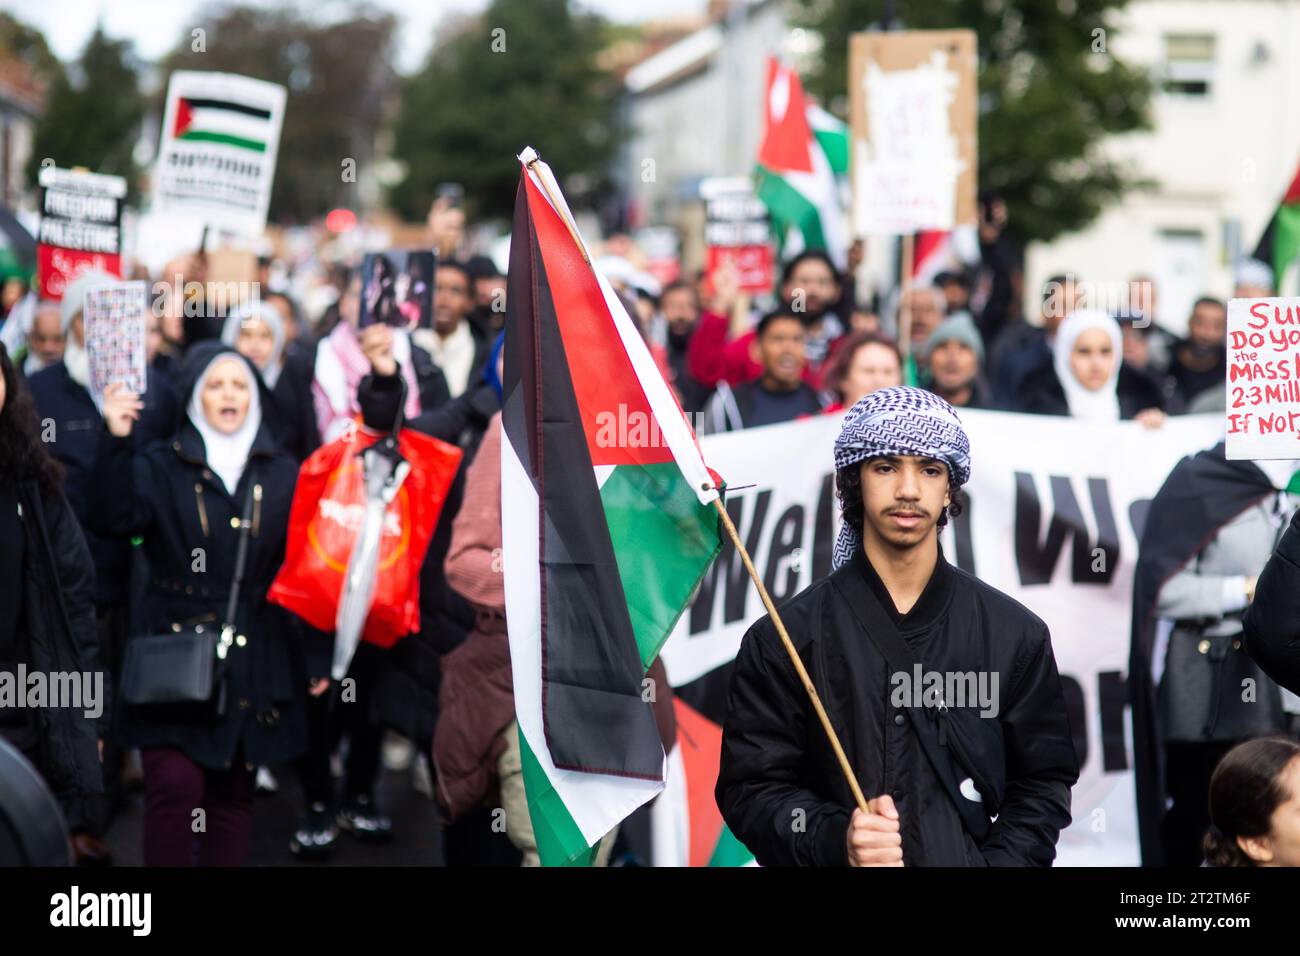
(189, 523)
(780, 787)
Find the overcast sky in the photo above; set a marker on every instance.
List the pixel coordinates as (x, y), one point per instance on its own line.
(155, 25)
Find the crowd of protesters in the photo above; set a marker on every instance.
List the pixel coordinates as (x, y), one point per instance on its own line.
(110, 498)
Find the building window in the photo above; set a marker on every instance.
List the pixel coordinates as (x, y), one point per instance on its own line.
(1189, 64)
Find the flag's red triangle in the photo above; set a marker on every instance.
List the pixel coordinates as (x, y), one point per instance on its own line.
(928, 242)
(1293, 192)
(615, 412)
(786, 135)
(700, 742)
(184, 117)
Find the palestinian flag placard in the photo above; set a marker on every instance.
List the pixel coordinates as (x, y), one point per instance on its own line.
(803, 162)
(1279, 246)
(216, 161)
(608, 526)
(241, 125)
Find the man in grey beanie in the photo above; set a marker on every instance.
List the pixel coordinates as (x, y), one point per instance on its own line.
(953, 357)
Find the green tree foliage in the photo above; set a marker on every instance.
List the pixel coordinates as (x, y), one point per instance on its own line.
(340, 82)
(526, 73)
(1050, 90)
(92, 113)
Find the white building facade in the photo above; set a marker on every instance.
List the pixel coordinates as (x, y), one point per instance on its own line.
(1224, 146)
(1224, 143)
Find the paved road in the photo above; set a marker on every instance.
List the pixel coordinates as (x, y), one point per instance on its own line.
(418, 838)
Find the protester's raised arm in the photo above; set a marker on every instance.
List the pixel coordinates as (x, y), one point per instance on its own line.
(122, 497)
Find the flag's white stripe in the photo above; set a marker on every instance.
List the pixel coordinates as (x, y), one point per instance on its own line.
(670, 822)
(231, 124)
(819, 119)
(597, 802)
(672, 425)
(819, 187)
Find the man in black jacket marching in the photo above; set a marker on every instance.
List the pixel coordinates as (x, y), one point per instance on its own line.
(943, 691)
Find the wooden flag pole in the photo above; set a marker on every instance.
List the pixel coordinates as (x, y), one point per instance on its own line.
(559, 209)
(904, 297)
(794, 658)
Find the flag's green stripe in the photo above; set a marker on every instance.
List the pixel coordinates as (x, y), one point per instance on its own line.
(790, 209)
(664, 541)
(199, 136)
(1286, 241)
(835, 144)
(730, 851)
(559, 841)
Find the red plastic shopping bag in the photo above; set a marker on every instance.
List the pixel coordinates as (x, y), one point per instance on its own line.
(329, 505)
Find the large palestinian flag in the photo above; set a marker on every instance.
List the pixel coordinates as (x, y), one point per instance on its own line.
(1280, 244)
(608, 526)
(802, 164)
(229, 122)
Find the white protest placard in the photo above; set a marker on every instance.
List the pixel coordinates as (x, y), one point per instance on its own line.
(913, 112)
(116, 322)
(1263, 378)
(216, 160)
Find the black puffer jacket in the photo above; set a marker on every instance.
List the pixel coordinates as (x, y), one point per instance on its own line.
(58, 620)
(182, 509)
(780, 788)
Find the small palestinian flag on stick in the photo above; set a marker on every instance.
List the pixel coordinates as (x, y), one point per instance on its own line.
(1280, 244)
(608, 526)
(802, 164)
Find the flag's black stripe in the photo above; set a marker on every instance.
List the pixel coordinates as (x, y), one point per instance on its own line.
(519, 404)
(228, 106)
(593, 714)
(1264, 249)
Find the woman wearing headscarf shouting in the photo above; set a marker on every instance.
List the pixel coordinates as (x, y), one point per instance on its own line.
(256, 331)
(190, 500)
(1087, 377)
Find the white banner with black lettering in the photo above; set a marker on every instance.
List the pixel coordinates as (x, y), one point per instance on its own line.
(1054, 512)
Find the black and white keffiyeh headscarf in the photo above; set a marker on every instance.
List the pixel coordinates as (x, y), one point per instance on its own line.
(899, 421)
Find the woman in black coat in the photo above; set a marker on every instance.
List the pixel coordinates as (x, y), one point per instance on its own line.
(47, 611)
(186, 497)
(1087, 377)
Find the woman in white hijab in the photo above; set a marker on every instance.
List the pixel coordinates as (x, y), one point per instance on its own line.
(1087, 377)
(188, 499)
(256, 331)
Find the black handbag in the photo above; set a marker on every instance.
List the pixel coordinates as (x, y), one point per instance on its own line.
(182, 673)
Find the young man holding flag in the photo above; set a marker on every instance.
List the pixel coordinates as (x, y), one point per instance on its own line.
(608, 525)
(896, 641)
